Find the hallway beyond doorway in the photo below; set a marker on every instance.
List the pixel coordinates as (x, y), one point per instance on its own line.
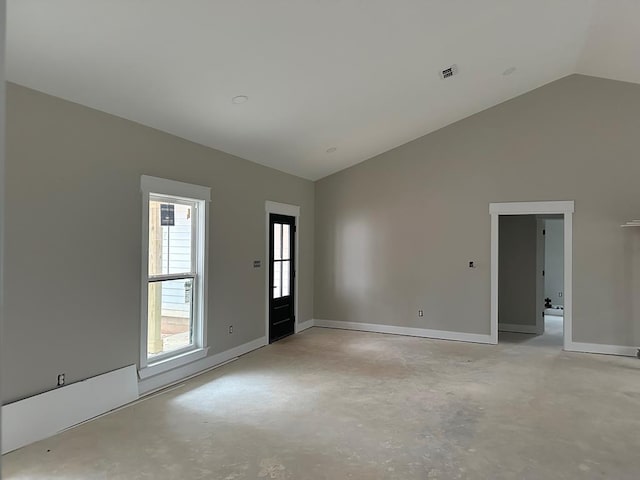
(552, 336)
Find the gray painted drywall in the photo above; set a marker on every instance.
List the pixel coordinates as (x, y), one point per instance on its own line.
(554, 261)
(3, 10)
(395, 233)
(517, 263)
(74, 239)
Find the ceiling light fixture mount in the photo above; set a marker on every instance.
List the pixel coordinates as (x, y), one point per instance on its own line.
(509, 71)
(239, 99)
(331, 149)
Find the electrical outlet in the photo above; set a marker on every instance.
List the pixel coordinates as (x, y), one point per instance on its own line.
(61, 379)
(420, 313)
(230, 328)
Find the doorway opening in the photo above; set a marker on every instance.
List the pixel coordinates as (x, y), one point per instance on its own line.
(531, 278)
(531, 293)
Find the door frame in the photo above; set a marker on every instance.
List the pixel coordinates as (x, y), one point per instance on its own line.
(541, 254)
(291, 211)
(564, 208)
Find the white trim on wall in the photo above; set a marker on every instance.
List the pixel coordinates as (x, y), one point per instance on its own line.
(407, 331)
(532, 208)
(164, 186)
(282, 208)
(602, 349)
(41, 416)
(173, 362)
(540, 272)
(495, 231)
(568, 282)
(291, 211)
(565, 208)
(164, 380)
(466, 337)
(304, 325)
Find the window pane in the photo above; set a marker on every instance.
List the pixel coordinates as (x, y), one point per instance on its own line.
(277, 241)
(170, 316)
(285, 242)
(286, 272)
(170, 238)
(277, 280)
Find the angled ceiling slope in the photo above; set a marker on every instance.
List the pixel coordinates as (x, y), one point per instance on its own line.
(357, 77)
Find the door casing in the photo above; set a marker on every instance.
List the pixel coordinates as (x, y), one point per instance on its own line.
(565, 208)
(291, 211)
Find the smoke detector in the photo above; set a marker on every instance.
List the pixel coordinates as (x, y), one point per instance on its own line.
(449, 72)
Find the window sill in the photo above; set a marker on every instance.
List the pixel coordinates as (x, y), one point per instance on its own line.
(173, 362)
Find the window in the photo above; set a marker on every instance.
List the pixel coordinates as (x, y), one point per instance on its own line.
(173, 273)
(281, 260)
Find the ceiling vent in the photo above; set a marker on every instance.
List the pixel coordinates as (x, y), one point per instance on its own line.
(449, 72)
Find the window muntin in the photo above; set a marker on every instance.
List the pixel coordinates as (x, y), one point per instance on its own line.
(281, 260)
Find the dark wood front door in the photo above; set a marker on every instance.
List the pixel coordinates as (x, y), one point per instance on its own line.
(282, 231)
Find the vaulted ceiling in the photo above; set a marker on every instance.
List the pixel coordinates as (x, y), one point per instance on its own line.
(355, 76)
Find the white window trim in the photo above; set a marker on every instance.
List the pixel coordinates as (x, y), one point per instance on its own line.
(164, 187)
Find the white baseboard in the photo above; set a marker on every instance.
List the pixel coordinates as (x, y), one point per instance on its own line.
(162, 380)
(304, 325)
(515, 328)
(409, 331)
(602, 349)
(41, 416)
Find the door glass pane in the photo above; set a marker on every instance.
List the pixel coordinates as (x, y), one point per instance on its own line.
(286, 272)
(285, 242)
(170, 238)
(170, 317)
(277, 280)
(277, 241)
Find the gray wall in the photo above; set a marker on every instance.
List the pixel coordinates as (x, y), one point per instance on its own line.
(73, 239)
(3, 23)
(395, 233)
(517, 264)
(554, 261)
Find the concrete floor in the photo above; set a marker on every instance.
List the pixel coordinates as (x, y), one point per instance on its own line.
(332, 404)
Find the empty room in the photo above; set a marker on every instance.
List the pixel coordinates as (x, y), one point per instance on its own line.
(269, 239)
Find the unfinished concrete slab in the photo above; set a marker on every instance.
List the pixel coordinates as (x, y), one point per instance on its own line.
(333, 404)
